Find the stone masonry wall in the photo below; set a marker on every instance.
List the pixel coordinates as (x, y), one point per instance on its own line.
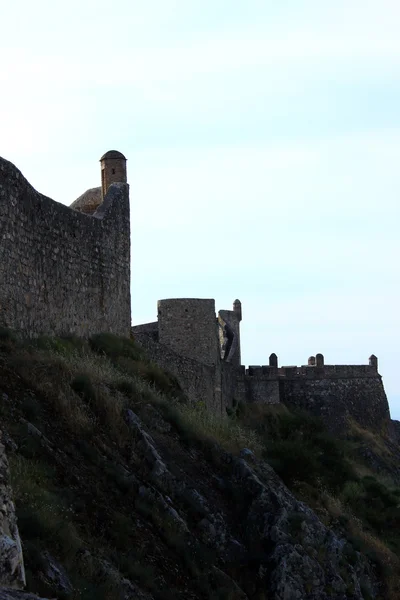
(189, 327)
(362, 398)
(255, 389)
(200, 382)
(62, 271)
(333, 392)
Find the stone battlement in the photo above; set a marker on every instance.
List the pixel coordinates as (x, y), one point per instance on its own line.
(309, 372)
(212, 373)
(66, 270)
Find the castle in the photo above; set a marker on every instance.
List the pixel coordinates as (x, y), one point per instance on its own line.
(66, 270)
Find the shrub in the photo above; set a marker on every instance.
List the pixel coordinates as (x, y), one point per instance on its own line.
(83, 386)
(130, 360)
(42, 514)
(198, 425)
(352, 492)
(299, 449)
(64, 345)
(126, 387)
(113, 346)
(293, 460)
(31, 408)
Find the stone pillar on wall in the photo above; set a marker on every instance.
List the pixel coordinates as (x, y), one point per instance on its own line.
(373, 361)
(311, 361)
(319, 360)
(273, 360)
(113, 170)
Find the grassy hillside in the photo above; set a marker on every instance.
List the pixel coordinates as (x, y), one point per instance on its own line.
(123, 490)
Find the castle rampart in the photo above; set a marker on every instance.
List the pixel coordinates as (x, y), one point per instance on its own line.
(66, 270)
(311, 372)
(331, 391)
(183, 342)
(62, 271)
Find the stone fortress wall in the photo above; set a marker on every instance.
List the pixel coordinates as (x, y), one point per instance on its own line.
(66, 270)
(189, 341)
(184, 340)
(188, 326)
(63, 271)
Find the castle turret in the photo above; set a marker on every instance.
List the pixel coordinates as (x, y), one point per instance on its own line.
(113, 170)
(373, 362)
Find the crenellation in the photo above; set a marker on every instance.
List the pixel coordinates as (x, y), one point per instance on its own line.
(330, 391)
(67, 270)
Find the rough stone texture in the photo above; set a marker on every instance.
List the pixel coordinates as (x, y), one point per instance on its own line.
(55, 573)
(204, 359)
(199, 381)
(11, 594)
(12, 572)
(150, 329)
(62, 271)
(257, 389)
(290, 552)
(89, 202)
(331, 392)
(113, 170)
(306, 561)
(189, 327)
(363, 399)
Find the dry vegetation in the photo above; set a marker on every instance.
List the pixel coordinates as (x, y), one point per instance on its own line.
(76, 392)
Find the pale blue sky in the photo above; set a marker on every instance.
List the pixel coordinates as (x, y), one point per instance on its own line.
(263, 140)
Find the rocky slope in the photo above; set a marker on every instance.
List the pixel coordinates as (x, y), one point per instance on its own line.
(122, 493)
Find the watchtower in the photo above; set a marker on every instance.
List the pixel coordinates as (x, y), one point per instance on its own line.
(113, 170)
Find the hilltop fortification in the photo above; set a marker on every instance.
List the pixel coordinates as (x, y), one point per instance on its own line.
(203, 351)
(65, 270)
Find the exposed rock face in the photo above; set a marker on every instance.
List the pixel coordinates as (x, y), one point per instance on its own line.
(12, 571)
(303, 559)
(289, 553)
(10, 594)
(218, 524)
(89, 201)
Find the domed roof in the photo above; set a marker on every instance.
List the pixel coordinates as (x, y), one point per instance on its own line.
(89, 202)
(113, 154)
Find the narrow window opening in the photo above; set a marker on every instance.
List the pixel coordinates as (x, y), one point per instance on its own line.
(113, 171)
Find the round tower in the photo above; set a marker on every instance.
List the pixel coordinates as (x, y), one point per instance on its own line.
(113, 170)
